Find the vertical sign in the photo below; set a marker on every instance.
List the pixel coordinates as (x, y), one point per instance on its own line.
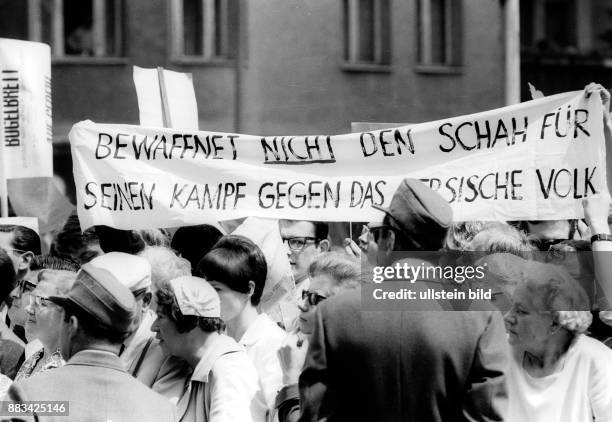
(25, 111)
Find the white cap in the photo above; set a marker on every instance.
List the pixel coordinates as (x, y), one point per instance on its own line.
(195, 296)
(132, 271)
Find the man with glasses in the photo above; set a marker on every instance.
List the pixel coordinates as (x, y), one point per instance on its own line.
(304, 241)
(44, 319)
(368, 240)
(20, 296)
(407, 364)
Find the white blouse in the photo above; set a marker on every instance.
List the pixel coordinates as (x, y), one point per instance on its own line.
(579, 392)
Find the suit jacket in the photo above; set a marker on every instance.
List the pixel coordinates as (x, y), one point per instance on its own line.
(97, 389)
(417, 366)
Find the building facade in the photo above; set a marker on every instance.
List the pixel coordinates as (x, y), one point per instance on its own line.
(293, 66)
(565, 44)
(270, 66)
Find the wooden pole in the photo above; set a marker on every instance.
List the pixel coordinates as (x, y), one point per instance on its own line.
(512, 52)
(167, 121)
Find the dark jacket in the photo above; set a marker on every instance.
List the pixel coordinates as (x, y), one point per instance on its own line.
(11, 357)
(416, 366)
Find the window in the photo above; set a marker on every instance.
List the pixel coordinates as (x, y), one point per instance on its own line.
(439, 24)
(366, 32)
(559, 27)
(204, 30)
(78, 28)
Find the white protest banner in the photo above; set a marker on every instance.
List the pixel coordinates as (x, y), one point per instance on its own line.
(534, 160)
(178, 90)
(25, 80)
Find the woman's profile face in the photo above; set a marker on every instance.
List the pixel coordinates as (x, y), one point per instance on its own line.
(527, 323)
(232, 302)
(44, 317)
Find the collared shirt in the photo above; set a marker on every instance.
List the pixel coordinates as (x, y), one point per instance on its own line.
(32, 347)
(223, 386)
(261, 341)
(29, 369)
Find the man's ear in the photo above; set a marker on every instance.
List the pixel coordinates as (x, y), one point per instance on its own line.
(251, 288)
(73, 326)
(72, 334)
(324, 245)
(25, 260)
(389, 241)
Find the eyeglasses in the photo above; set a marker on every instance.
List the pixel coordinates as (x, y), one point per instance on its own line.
(19, 251)
(296, 244)
(544, 245)
(313, 298)
(40, 301)
(23, 287)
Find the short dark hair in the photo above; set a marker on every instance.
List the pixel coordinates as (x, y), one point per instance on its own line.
(7, 275)
(167, 305)
(321, 230)
(234, 261)
(93, 329)
(24, 238)
(48, 262)
(193, 242)
(71, 243)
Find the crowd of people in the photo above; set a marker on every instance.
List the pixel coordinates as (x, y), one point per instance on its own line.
(149, 325)
(170, 324)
